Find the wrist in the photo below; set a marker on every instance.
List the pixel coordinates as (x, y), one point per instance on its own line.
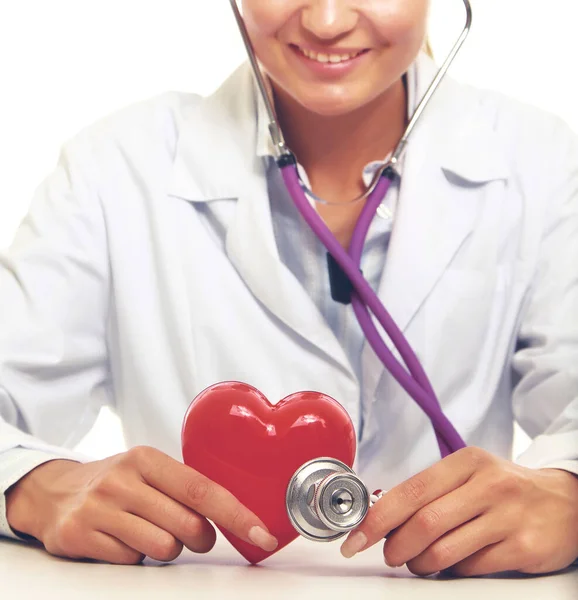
(27, 501)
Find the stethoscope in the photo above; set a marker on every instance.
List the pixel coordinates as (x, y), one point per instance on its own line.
(325, 499)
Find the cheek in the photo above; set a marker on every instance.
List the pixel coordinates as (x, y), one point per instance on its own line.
(266, 21)
(402, 22)
(264, 18)
(400, 26)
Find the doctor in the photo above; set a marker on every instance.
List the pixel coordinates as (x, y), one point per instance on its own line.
(163, 254)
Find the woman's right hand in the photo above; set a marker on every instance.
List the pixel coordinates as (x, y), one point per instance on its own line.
(123, 508)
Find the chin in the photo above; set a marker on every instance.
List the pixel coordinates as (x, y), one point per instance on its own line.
(325, 108)
(327, 104)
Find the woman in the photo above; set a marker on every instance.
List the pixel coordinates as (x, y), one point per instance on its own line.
(164, 255)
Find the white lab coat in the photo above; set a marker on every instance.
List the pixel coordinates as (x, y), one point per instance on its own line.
(119, 289)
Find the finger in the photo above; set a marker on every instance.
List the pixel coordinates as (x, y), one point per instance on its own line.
(433, 521)
(186, 525)
(396, 506)
(142, 536)
(523, 553)
(204, 496)
(491, 559)
(103, 547)
(458, 545)
(488, 560)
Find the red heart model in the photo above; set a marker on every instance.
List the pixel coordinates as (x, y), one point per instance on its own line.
(237, 438)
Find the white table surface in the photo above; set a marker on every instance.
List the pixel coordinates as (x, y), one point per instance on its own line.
(301, 571)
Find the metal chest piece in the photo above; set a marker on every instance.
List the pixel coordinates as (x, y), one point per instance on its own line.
(325, 500)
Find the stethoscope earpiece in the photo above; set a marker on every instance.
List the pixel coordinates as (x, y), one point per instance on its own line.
(325, 500)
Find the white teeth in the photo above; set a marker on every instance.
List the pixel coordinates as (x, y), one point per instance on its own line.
(328, 58)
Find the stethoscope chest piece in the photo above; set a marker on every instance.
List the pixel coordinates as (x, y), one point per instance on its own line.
(325, 500)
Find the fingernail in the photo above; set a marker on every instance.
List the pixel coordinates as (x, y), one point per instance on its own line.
(354, 544)
(263, 539)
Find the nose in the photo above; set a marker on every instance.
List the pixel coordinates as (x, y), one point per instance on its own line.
(329, 19)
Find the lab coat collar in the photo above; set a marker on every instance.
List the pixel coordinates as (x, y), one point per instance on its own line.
(217, 134)
(462, 141)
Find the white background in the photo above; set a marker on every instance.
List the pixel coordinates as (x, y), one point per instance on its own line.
(66, 63)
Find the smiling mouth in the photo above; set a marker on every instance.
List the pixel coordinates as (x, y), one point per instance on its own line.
(328, 58)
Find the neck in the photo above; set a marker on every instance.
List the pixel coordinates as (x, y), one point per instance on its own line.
(334, 149)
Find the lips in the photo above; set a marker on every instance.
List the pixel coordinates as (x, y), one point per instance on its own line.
(327, 64)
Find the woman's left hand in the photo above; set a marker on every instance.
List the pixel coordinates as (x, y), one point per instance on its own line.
(475, 514)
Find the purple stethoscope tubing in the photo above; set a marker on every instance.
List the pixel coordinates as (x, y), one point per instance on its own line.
(372, 335)
(365, 300)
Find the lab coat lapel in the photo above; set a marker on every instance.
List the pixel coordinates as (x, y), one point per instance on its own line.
(232, 169)
(252, 249)
(432, 221)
